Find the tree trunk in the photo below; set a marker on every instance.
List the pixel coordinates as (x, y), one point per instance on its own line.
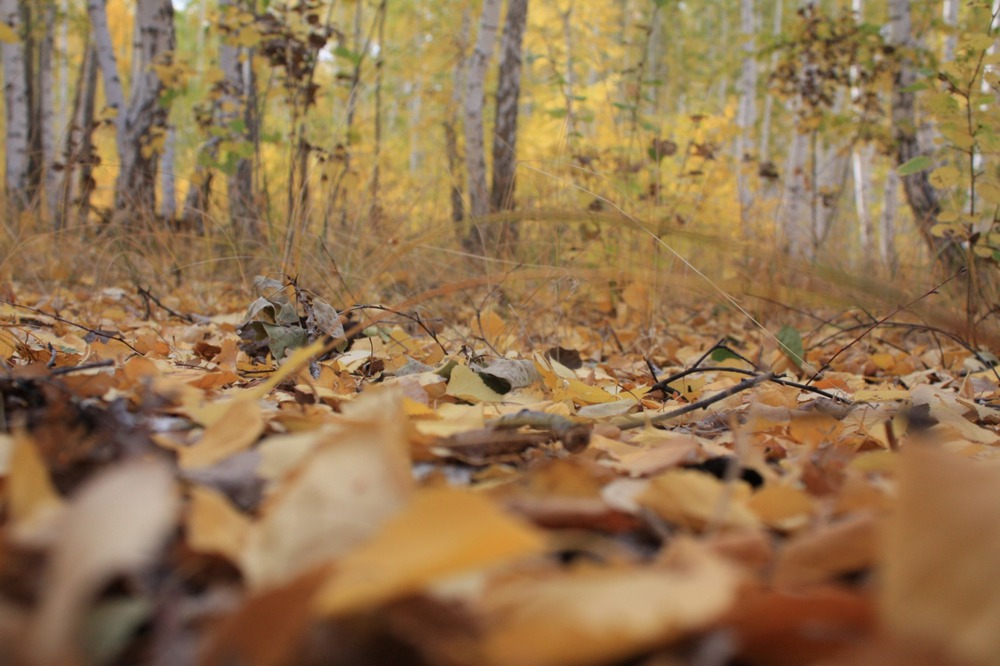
(239, 101)
(451, 124)
(475, 158)
(18, 107)
(920, 194)
(505, 131)
(168, 182)
(949, 15)
(887, 231)
(44, 116)
(78, 156)
(861, 157)
(144, 128)
(765, 125)
(746, 115)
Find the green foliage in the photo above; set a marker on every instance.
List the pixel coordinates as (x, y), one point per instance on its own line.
(791, 345)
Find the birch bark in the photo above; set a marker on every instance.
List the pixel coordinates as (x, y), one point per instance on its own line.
(17, 105)
(475, 158)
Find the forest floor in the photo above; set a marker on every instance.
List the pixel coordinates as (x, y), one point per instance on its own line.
(465, 490)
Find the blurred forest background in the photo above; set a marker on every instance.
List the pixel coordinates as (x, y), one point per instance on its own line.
(380, 141)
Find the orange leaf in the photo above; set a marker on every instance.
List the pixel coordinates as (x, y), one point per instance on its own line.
(238, 428)
(441, 533)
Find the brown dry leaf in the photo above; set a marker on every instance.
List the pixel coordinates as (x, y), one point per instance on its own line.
(29, 488)
(268, 627)
(695, 500)
(782, 507)
(214, 525)
(780, 629)
(940, 549)
(596, 616)
(842, 547)
(236, 430)
(116, 523)
(342, 493)
(443, 532)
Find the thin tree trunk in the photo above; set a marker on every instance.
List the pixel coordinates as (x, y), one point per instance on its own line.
(18, 107)
(144, 127)
(451, 124)
(475, 158)
(861, 156)
(887, 230)
(920, 194)
(168, 183)
(746, 115)
(505, 131)
(114, 94)
(949, 15)
(45, 114)
(374, 208)
(78, 156)
(765, 125)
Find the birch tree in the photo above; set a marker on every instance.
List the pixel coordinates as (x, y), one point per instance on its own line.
(920, 194)
(747, 112)
(475, 158)
(17, 105)
(505, 132)
(141, 125)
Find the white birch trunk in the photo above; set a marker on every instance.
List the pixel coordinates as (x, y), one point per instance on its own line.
(140, 148)
(16, 104)
(416, 156)
(475, 156)
(887, 225)
(114, 94)
(861, 157)
(47, 109)
(765, 126)
(949, 16)
(168, 181)
(797, 213)
(747, 113)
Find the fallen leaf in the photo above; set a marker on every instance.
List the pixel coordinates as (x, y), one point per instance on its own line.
(695, 500)
(236, 430)
(469, 386)
(596, 616)
(115, 524)
(214, 525)
(441, 533)
(940, 548)
(29, 488)
(846, 546)
(341, 494)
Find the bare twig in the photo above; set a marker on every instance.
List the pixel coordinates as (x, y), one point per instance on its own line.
(640, 421)
(101, 334)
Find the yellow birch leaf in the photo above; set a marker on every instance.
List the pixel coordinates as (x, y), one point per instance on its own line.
(607, 615)
(467, 385)
(694, 500)
(939, 555)
(781, 507)
(214, 525)
(29, 486)
(339, 495)
(239, 427)
(443, 532)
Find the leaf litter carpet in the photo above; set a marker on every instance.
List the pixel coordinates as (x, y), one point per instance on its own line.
(465, 492)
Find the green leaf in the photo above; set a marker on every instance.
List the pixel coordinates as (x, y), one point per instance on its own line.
(791, 344)
(916, 165)
(347, 54)
(720, 355)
